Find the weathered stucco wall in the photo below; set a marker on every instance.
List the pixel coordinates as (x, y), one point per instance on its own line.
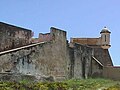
(12, 36)
(82, 56)
(53, 57)
(103, 56)
(96, 68)
(46, 59)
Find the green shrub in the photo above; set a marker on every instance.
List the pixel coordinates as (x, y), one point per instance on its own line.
(73, 84)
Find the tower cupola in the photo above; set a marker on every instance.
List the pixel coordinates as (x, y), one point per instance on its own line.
(105, 30)
(105, 38)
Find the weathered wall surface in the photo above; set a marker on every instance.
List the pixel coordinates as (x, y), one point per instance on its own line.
(12, 36)
(81, 63)
(52, 57)
(46, 59)
(96, 69)
(103, 56)
(111, 73)
(42, 38)
(70, 62)
(87, 41)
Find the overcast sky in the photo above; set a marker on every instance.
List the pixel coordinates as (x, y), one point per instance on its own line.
(80, 18)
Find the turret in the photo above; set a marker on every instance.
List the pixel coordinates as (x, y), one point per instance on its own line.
(105, 38)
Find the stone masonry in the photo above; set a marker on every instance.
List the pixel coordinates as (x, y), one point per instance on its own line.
(13, 37)
(52, 55)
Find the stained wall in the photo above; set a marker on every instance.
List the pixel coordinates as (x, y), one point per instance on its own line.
(55, 57)
(44, 59)
(82, 56)
(12, 36)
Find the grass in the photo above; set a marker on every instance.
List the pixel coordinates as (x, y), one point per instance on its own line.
(93, 84)
(73, 84)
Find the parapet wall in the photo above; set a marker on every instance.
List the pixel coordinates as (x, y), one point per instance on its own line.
(54, 35)
(87, 41)
(44, 37)
(12, 36)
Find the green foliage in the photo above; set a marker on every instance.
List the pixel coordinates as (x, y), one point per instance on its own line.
(24, 81)
(92, 84)
(114, 87)
(73, 84)
(52, 86)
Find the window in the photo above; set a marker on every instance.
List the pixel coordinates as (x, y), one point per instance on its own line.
(105, 38)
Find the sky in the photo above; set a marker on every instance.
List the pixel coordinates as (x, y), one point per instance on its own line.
(80, 18)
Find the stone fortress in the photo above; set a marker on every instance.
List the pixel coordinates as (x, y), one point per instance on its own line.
(52, 55)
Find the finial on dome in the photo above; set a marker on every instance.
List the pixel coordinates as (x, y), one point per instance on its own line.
(105, 30)
(105, 27)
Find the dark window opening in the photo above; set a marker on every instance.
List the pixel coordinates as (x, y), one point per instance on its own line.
(83, 67)
(105, 38)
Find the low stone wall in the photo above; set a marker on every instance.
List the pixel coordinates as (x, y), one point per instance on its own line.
(111, 73)
(7, 76)
(16, 77)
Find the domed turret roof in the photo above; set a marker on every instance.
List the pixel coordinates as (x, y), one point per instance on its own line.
(105, 30)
